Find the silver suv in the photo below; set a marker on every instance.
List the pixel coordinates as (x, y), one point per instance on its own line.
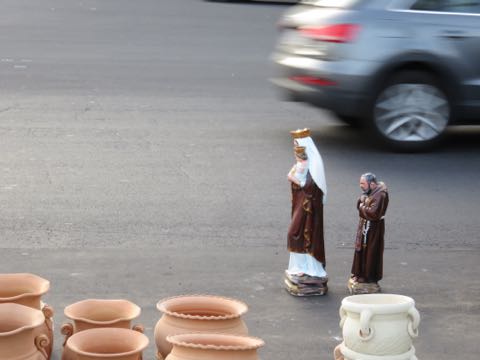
(404, 68)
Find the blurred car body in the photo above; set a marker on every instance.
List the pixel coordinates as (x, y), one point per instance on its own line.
(404, 68)
(271, 1)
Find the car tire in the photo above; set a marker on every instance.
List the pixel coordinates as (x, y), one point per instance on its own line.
(411, 111)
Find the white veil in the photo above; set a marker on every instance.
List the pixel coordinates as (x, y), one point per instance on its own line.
(315, 164)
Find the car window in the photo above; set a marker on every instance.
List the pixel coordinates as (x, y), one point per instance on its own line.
(459, 6)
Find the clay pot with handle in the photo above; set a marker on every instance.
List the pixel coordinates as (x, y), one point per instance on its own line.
(28, 289)
(20, 333)
(98, 313)
(378, 325)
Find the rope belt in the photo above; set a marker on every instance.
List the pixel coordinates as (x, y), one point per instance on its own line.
(366, 227)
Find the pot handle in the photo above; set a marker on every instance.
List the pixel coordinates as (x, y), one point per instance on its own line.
(337, 354)
(413, 322)
(343, 316)
(67, 330)
(41, 342)
(365, 332)
(48, 313)
(139, 327)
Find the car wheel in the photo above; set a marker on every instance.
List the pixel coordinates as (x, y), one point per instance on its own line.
(411, 111)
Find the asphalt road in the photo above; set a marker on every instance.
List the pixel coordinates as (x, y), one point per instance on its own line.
(143, 154)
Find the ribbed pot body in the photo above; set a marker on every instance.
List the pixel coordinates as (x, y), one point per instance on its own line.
(347, 354)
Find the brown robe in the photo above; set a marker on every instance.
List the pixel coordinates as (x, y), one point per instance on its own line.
(368, 258)
(305, 234)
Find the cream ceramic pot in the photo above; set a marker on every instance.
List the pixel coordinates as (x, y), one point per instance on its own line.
(379, 324)
(343, 353)
(107, 343)
(198, 313)
(213, 347)
(20, 333)
(27, 289)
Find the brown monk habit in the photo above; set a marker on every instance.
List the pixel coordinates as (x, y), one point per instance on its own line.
(305, 234)
(368, 258)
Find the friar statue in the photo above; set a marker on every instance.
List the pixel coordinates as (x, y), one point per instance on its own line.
(306, 273)
(367, 267)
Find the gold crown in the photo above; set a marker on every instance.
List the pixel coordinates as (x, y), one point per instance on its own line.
(300, 150)
(300, 133)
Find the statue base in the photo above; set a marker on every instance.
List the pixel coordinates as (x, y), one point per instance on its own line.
(305, 285)
(355, 287)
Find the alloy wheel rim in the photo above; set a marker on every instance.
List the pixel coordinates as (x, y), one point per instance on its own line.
(411, 112)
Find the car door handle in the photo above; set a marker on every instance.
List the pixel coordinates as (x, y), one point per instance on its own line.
(454, 34)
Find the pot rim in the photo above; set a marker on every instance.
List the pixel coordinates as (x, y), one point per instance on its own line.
(37, 318)
(44, 286)
(162, 307)
(185, 340)
(68, 311)
(404, 303)
(144, 342)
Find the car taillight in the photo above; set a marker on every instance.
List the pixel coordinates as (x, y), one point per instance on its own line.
(339, 33)
(310, 80)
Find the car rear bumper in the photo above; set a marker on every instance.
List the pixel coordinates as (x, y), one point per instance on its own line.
(345, 91)
(340, 102)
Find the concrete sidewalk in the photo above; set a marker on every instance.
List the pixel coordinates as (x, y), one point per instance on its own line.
(300, 328)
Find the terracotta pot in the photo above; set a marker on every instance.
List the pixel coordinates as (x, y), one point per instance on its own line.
(198, 313)
(27, 289)
(98, 313)
(107, 343)
(20, 337)
(379, 324)
(213, 347)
